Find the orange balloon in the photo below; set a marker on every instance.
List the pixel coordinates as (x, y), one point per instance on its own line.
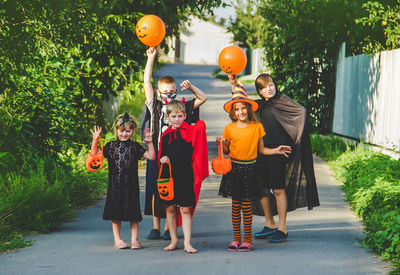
(232, 60)
(150, 30)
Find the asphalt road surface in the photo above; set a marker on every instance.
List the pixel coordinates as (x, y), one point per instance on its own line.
(321, 241)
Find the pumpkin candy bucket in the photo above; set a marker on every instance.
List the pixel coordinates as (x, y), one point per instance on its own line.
(94, 161)
(165, 186)
(221, 165)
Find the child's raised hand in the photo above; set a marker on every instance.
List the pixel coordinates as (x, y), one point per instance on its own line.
(148, 136)
(164, 159)
(151, 52)
(96, 132)
(283, 150)
(232, 79)
(186, 85)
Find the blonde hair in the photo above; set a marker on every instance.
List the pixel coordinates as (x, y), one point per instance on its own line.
(176, 106)
(250, 114)
(124, 121)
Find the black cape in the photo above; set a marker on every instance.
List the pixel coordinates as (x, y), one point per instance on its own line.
(301, 187)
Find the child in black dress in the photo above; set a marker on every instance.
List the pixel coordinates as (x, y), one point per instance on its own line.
(185, 147)
(122, 203)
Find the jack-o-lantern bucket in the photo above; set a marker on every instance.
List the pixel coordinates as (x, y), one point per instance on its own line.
(221, 165)
(94, 161)
(165, 186)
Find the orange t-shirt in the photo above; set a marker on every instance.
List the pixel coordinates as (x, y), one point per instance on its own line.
(244, 141)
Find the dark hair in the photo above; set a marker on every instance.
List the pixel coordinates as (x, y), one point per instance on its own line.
(261, 82)
(250, 114)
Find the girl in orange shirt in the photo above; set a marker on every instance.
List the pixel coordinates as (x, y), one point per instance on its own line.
(242, 140)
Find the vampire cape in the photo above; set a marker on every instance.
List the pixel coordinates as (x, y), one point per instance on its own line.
(301, 187)
(196, 134)
(153, 121)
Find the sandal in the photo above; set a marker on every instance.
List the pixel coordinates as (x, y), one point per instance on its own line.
(136, 245)
(121, 244)
(245, 247)
(234, 246)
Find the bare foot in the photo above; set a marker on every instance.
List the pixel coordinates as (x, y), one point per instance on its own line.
(190, 249)
(171, 246)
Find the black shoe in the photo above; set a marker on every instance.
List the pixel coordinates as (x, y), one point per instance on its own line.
(278, 237)
(265, 232)
(154, 234)
(166, 235)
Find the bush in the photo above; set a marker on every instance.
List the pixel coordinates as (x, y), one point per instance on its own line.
(41, 195)
(371, 182)
(329, 147)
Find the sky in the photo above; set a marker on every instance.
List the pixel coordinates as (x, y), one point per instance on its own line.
(225, 12)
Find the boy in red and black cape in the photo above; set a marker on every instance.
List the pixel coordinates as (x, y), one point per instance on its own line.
(185, 147)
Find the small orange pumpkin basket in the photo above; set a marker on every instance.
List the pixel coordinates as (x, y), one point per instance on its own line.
(221, 165)
(165, 186)
(94, 161)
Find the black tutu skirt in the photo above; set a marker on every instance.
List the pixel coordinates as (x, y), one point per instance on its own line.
(240, 183)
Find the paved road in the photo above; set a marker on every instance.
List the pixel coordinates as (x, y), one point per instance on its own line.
(321, 241)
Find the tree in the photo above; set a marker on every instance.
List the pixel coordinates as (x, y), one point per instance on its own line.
(383, 22)
(59, 60)
(301, 40)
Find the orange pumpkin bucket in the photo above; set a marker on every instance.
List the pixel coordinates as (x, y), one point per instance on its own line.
(94, 161)
(221, 165)
(165, 186)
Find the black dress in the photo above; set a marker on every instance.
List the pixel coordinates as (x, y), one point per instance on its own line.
(122, 203)
(180, 154)
(271, 169)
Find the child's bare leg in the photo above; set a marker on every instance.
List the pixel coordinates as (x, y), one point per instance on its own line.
(116, 228)
(281, 203)
(187, 229)
(269, 219)
(171, 220)
(134, 231)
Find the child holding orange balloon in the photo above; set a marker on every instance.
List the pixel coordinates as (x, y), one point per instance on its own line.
(156, 102)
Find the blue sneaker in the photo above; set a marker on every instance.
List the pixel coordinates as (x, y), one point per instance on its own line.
(265, 232)
(278, 237)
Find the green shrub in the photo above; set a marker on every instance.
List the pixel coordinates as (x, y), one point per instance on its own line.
(36, 204)
(42, 194)
(361, 167)
(329, 147)
(371, 182)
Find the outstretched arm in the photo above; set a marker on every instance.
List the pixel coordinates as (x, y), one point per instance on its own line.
(280, 150)
(148, 71)
(201, 97)
(96, 134)
(233, 81)
(150, 154)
